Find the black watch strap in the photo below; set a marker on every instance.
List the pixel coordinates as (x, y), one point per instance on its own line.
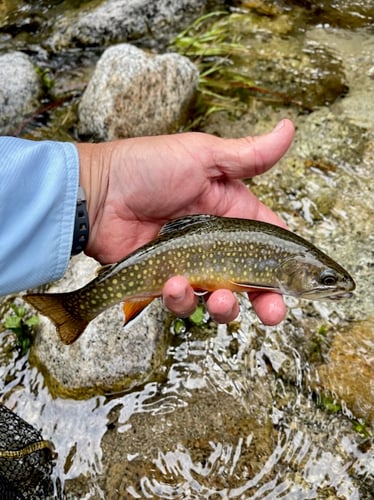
(81, 226)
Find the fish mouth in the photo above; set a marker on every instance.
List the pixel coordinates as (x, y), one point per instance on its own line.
(318, 294)
(343, 295)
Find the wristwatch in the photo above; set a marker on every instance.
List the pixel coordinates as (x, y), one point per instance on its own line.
(81, 226)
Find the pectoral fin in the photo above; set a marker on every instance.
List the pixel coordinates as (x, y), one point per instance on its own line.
(132, 309)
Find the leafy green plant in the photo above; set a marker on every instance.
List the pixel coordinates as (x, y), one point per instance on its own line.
(23, 326)
(46, 78)
(197, 318)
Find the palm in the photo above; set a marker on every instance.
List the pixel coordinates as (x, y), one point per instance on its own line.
(172, 181)
(136, 185)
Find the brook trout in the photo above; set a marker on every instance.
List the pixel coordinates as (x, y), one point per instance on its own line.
(211, 252)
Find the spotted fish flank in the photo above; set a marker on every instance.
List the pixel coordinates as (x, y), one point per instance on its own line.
(211, 252)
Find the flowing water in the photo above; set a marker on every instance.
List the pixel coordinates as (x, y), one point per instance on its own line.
(243, 411)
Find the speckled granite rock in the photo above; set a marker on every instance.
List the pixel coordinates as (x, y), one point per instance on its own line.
(107, 357)
(19, 90)
(132, 93)
(123, 20)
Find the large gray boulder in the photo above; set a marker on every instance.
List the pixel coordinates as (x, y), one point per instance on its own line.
(124, 20)
(133, 93)
(108, 357)
(19, 90)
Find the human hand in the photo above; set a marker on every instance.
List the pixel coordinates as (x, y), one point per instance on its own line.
(134, 186)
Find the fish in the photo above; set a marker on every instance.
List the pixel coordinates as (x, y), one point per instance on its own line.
(212, 252)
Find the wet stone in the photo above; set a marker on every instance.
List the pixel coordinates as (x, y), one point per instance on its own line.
(123, 20)
(341, 13)
(132, 93)
(19, 90)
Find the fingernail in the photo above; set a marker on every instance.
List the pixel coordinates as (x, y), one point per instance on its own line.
(279, 126)
(178, 296)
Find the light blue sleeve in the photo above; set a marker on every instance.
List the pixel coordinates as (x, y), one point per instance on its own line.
(38, 196)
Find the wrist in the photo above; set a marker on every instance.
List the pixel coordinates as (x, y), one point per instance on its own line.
(93, 178)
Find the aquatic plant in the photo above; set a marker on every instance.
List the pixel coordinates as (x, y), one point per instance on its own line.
(23, 326)
(206, 43)
(216, 44)
(198, 318)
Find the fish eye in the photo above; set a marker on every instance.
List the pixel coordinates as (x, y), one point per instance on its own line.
(329, 277)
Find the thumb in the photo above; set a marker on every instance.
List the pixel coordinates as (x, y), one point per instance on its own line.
(250, 156)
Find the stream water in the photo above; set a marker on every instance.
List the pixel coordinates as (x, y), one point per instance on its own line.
(242, 410)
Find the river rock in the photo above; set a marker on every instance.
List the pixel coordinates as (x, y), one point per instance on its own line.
(178, 437)
(348, 371)
(306, 74)
(132, 93)
(124, 20)
(19, 90)
(108, 357)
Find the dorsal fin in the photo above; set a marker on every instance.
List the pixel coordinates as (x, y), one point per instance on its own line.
(186, 222)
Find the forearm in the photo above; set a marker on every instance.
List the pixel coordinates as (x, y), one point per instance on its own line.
(38, 193)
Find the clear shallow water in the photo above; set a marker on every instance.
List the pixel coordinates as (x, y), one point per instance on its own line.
(224, 424)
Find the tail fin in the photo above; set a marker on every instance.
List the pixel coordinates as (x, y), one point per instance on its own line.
(69, 325)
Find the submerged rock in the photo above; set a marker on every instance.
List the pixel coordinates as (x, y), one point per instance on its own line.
(19, 90)
(308, 75)
(107, 357)
(250, 55)
(342, 13)
(133, 93)
(213, 451)
(348, 372)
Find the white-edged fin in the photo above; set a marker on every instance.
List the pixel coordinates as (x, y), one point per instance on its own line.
(103, 269)
(183, 223)
(200, 293)
(255, 286)
(102, 273)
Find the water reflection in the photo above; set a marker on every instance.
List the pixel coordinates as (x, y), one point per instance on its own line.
(303, 461)
(184, 478)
